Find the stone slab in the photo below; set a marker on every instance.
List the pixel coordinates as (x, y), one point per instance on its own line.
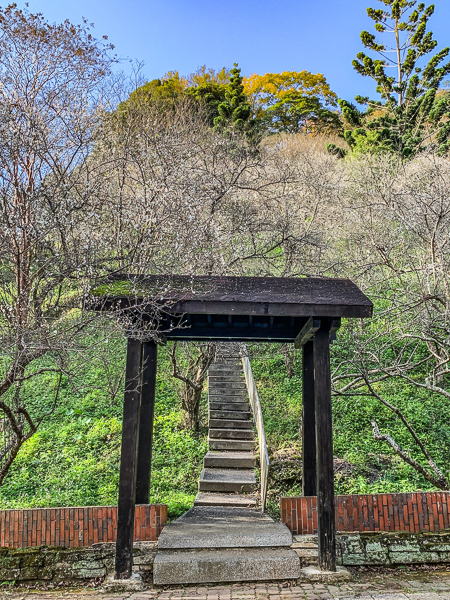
(229, 406)
(224, 527)
(215, 444)
(230, 500)
(227, 480)
(230, 384)
(213, 566)
(133, 584)
(227, 392)
(232, 434)
(230, 424)
(230, 460)
(234, 415)
(232, 377)
(315, 575)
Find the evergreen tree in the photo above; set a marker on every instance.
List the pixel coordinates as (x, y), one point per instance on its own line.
(413, 112)
(235, 112)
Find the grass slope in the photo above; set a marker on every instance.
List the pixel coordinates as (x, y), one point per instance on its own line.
(73, 460)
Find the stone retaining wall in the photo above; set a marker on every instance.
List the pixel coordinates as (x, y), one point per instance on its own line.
(399, 548)
(69, 565)
(384, 549)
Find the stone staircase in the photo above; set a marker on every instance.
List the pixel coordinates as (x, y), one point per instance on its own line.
(228, 476)
(223, 538)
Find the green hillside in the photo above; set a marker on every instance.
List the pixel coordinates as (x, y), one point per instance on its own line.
(73, 459)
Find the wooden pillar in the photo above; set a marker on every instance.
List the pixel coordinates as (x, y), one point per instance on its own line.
(309, 471)
(144, 465)
(324, 441)
(128, 461)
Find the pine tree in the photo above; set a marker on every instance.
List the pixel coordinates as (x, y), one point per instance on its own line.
(413, 112)
(235, 112)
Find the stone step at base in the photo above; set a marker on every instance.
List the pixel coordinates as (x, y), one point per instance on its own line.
(224, 527)
(231, 445)
(217, 566)
(230, 415)
(230, 500)
(230, 424)
(229, 406)
(306, 547)
(230, 460)
(226, 480)
(232, 434)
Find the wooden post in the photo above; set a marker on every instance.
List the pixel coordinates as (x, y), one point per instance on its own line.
(144, 465)
(324, 441)
(309, 475)
(128, 461)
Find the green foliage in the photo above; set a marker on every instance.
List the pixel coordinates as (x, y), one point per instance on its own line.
(73, 459)
(162, 92)
(413, 113)
(295, 113)
(211, 94)
(235, 112)
(363, 465)
(293, 102)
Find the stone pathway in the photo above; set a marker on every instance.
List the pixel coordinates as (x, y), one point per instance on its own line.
(393, 586)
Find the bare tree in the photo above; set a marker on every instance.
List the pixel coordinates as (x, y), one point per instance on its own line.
(397, 222)
(50, 204)
(191, 368)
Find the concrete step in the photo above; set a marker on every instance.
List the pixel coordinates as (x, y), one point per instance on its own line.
(231, 445)
(228, 399)
(229, 406)
(232, 434)
(227, 391)
(229, 424)
(233, 415)
(225, 367)
(227, 385)
(307, 548)
(230, 500)
(224, 527)
(217, 566)
(230, 460)
(227, 480)
(225, 378)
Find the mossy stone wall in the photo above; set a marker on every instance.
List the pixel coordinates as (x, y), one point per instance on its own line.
(393, 548)
(68, 565)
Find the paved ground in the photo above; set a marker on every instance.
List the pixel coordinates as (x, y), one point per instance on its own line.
(398, 585)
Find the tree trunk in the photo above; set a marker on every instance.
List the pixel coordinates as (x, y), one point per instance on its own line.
(192, 399)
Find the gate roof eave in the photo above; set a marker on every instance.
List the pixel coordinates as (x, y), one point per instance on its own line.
(231, 308)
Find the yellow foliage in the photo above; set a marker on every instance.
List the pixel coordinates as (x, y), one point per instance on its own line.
(178, 82)
(265, 90)
(204, 75)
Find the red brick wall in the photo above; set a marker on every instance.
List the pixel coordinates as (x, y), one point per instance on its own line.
(424, 511)
(76, 527)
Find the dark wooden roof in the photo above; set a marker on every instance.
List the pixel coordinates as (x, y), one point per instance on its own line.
(271, 296)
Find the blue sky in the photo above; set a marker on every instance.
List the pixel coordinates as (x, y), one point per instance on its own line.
(261, 35)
